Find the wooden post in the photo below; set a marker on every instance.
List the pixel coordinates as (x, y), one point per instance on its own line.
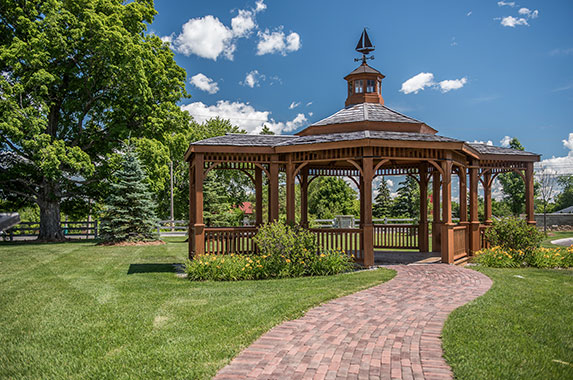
(529, 194)
(274, 189)
(198, 247)
(423, 238)
(447, 246)
(475, 244)
(290, 192)
(487, 197)
(304, 197)
(436, 225)
(368, 228)
(463, 198)
(258, 196)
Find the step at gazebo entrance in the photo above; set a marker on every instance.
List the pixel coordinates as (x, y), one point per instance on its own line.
(364, 140)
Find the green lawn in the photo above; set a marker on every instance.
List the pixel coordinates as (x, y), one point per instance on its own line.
(521, 329)
(554, 236)
(73, 311)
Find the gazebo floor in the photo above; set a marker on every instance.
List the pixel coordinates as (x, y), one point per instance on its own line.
(405, 257)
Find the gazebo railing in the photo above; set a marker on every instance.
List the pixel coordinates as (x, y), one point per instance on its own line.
(399, 236)
(343, 239)
(483, 241)
(227, 240)
(461, 242)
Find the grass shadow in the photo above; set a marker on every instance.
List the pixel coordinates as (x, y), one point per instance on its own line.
(152, 268)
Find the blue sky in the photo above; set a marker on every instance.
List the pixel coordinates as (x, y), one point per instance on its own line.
(473, 70)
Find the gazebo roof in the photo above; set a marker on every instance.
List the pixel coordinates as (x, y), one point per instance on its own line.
(491, 149)
(366, 112)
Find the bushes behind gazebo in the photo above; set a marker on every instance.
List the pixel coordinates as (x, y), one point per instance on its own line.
(283, 251)
(514, 244)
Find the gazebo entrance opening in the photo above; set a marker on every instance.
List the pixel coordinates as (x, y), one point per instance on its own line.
(361, 141)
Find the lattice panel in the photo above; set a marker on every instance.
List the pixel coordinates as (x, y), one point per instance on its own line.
(237, 157)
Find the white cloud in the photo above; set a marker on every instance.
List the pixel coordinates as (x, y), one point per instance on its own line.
(569, 142)
(260, 6)
(202, 82)
(528, 12)
(507, 4)
(308, 104)
(452, 84)
(243, 115)
(252, 79)
(277, 42)
(293, 105)
(421, 81)
(390, 183)
(310, 114)
(505, 141)
(417, 83)
(488, 142)
(243, 23)
(469, 13)
(206, 37)
(561, 165)
(513, 22)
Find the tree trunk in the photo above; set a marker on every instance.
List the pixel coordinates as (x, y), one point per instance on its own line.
(49, 203)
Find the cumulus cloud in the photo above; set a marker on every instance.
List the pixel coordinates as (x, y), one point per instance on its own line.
(505, 141)
(417, 83)
(208, 37)
(277, 42)
(528, 12)
(390, 183)
(252, 79)
(512, 22)
(243, 115)
(506, 4)
(293, 105)
(452, 84)
(488, 142)
(421, 81)
(204, 83)
(564, 164)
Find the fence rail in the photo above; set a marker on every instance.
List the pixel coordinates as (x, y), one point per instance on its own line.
(87, 229)
(227, 240)
(402, 236)
(172, 227)
(343, 239)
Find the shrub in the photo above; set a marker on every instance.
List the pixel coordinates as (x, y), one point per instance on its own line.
(284, 251)
(514, 234)
(498, 257)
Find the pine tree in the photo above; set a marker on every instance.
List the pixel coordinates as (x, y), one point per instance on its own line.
(407, 204)
(129, 213)
(382, 202)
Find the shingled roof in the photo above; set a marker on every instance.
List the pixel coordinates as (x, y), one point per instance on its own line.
(364, 68)
(366, 112)
(241, 139)
(490, 149)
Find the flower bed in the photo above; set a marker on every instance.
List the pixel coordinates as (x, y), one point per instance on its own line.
(498, 257)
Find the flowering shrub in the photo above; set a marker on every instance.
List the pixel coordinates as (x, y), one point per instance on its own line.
(513, 234)
(499, 257)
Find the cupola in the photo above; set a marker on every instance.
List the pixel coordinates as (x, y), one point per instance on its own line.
(365, 82)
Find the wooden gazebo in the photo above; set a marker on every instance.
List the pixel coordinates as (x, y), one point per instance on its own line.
(361, 141)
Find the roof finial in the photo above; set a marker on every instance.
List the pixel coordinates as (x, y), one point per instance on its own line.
(364, 47)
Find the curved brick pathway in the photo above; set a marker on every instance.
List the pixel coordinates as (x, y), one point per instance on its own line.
(390, 331)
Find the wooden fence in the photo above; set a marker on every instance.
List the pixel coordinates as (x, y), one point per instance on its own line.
(227, 240)
(85, 229)
(343, 239)
(397, 236)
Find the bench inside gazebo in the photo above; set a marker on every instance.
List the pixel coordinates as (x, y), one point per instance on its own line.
(364, 140)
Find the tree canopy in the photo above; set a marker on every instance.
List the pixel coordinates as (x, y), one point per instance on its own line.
(78, 78)
(331, 196)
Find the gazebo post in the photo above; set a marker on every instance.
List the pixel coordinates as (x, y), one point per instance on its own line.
(368, 227)
(304, 197)
(475, 243)
(273, 189)
(529, 194)
(423, 237)
(447, 246)
(197, 237)
(463, 197)
(258, 196)
(436, 225)
(487, 197)
(290, 192)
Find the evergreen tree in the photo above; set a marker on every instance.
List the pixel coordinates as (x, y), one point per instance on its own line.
(129, 213)
(513, 186)
(382, 202)
(407, 203)
(266, 131)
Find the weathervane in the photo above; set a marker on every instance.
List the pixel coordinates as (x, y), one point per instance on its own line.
(364, 47)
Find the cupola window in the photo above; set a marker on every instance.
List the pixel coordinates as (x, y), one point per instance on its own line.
(358, 86)
(370, 83)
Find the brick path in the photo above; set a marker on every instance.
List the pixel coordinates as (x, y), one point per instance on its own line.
(390, 331)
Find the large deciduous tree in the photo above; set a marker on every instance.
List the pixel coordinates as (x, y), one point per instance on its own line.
(330, 196)
(77, 78)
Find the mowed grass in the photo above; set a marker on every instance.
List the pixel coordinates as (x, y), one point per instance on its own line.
(72, 311)
(521, 329)
(555, 236)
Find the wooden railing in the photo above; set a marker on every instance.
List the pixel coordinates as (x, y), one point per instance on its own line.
(483, 241)
(227, 240)
(72, 229)
(461, 243)
(343, 239)
(172, 227)
(402, 236)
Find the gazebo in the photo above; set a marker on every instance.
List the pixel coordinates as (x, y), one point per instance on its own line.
(363, 140)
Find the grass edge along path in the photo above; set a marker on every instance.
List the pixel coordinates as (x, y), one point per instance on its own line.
(522, 328)
(74, 311)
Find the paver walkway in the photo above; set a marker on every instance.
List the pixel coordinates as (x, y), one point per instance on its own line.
(390, 331)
